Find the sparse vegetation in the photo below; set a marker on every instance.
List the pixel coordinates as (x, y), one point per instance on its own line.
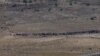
(49, 29)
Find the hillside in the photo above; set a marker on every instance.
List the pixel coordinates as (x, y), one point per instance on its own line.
(59, 16)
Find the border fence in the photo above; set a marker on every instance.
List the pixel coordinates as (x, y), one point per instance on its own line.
(54, 34)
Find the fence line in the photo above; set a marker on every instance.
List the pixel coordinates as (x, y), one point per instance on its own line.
(53, 34)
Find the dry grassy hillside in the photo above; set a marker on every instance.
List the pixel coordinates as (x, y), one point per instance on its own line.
(47, 46)
(50, 19)
(67, 20)
(70, 17)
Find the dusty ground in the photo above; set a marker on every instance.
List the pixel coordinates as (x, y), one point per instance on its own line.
(50, 46)
(68, 19)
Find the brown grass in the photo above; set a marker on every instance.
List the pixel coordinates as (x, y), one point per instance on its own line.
(61, 46)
